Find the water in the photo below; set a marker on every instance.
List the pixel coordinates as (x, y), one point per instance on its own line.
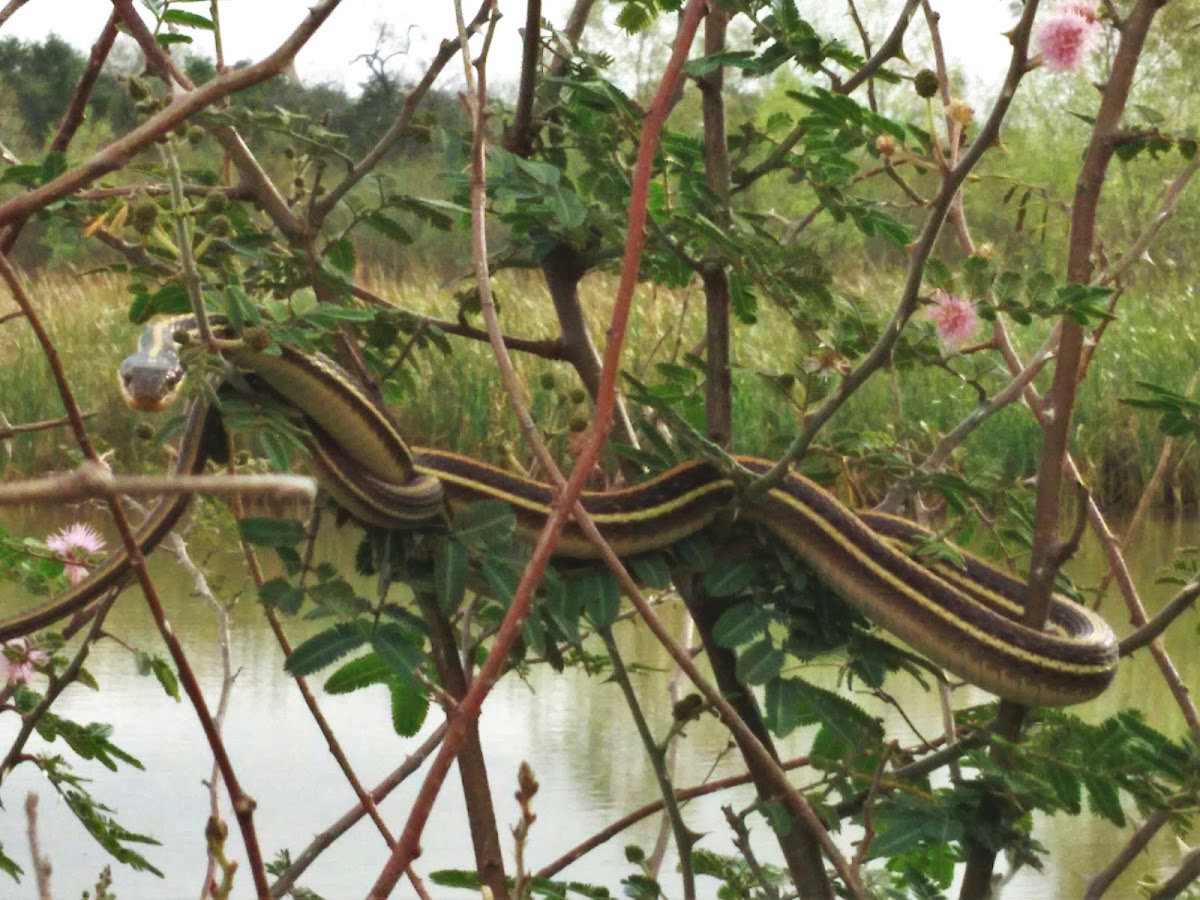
(573, 730)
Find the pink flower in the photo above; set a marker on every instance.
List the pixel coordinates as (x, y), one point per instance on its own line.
(1068, 34)
(74, 544)
(17, 661)
(954, 318)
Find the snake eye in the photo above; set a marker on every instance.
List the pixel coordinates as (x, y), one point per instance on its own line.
(173, 378)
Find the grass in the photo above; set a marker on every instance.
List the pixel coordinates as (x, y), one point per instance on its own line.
(458, 402)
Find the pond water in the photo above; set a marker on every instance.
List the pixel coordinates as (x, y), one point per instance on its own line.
(573, 730)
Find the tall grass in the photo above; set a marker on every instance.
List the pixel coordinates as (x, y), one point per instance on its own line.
(457, 402)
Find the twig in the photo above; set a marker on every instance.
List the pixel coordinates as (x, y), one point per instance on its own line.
(175, 545)
(630, 819)
(9, 8)
(94, 481)
(41, 865)
(1103, 880)
(1188, 871)
(11, 431)
(684, 838)
(285, 882)
(741, 840)
(860, 855)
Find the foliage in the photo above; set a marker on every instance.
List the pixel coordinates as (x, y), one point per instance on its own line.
(785, 218)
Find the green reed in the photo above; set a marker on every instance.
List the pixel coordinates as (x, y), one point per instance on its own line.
(458, 402)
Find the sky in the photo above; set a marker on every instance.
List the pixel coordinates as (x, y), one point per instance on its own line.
(972, 31)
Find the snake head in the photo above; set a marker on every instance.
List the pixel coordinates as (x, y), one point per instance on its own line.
(150, 384)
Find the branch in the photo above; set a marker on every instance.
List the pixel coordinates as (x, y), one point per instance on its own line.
(94, 481)
(881, 352)
(116, 154)
(9, 8)
(399, 127)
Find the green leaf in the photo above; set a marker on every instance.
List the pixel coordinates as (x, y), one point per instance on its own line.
(782, 707)
(1103, 798)
(358, 673)
(410, 706)
(10, 868)
(165, 675)
(450, 569)
(389, 228)
(740, 624)
(651, 569)
(325, 648)
(398, 648)
(759, 663)
(341, 255)
(601, 596)
(53, 165)
(845, 722)
(486, 525)
(336, 595)
(705, 65)
(281, 594)
(268, 532)
(187, 19)
(730, 579)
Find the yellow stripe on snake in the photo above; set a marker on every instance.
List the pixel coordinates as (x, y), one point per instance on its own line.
(966, 620)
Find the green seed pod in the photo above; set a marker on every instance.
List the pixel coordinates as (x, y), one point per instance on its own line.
(143, 215)
(144, 431)
(138, 88)
(195, 134)
(579, 423)
(547, 381)
(215, 203)
(926, 83)
(220, 226)
(578, 395)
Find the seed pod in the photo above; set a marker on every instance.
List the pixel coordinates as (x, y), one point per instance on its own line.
(143, 215)
(547, 381)
(220, 226)
(138, 88)
(215, 203)
(926, 83)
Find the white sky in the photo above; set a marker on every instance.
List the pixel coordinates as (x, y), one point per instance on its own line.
(972, 31)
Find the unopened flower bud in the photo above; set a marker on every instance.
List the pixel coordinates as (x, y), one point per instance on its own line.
(143, 215)
(885, 145)
(926, 83)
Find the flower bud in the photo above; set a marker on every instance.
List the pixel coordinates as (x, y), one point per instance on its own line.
(926, 83)
(143, 215)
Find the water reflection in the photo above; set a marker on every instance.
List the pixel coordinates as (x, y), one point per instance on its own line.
(573, 729)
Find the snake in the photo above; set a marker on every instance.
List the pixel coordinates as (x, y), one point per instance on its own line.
(965, 616)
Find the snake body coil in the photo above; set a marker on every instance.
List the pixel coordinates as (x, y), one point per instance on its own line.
(966, 620)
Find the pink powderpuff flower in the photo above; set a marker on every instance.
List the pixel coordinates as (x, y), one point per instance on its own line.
(18, 661)
(74, 544)
(954, 318)
(1068, 35)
